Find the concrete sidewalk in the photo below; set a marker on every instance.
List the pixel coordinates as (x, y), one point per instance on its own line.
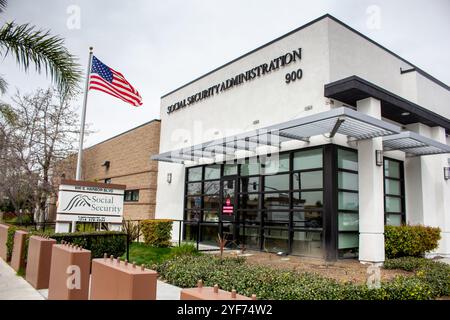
(13, 287)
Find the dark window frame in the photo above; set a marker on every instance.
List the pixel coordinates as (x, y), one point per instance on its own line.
(401, 179)
(131, 192)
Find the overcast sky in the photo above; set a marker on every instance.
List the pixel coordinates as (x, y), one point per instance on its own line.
(161, 45)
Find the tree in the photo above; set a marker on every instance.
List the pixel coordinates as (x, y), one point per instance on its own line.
(30, 45)
(43, 132)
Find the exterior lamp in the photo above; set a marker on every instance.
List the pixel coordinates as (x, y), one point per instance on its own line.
(447, 173)
(169, 177)
(106, 164)
(379, 157)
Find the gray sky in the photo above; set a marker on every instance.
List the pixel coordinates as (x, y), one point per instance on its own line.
(160, 45)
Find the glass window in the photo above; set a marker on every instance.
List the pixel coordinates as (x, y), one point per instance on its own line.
(393, 204)
(193, 215)
(276, 182)
(211, 203)
(250, 216)
(348, 221)
(393, 219)
(249, 201)
(250, 167)
(212, 172)
(195, 174)
(307, 219)
(308, 180)
(272, 217)
(229, 169)
(392, 187)
(348, 240)
(392, 169)
(347, 159)
(348, 201)
(308, 159)
(131, 195)
(249, 237)
(347, 180)
(211, 216)
(193, 202)
(276, 240)
(194, 188)
(212, 187)
(249, 184)
(276, 163)
(307, 243)
(276, 201)
(307, 199)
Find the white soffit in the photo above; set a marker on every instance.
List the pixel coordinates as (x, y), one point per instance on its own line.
(342, 120)
(414, 144)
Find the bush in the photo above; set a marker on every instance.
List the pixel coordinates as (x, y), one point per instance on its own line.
(157, 233)
(184, 249)
(435, 274)
(10, 242)
(269, 283)
(412, 241)
(109, 242)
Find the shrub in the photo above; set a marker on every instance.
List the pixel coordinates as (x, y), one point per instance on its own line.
(109, 242)
(185, 248)
(435, 274)
(269, 283)
(10, 242)
(157, 233)
(415, 241)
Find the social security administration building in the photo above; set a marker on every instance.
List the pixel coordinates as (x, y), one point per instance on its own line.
(308, 145)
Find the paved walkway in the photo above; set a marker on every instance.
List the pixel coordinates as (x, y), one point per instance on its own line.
(13, 287)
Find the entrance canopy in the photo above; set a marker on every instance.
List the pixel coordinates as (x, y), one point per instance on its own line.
(345, 121)
(414, 144)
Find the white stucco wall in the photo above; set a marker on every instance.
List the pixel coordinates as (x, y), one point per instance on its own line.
(330, 52)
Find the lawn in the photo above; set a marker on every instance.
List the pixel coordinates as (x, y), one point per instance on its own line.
(144, 254)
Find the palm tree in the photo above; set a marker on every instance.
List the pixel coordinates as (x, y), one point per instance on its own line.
(30, 45)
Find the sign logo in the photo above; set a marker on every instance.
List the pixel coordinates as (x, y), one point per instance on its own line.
(80, 200)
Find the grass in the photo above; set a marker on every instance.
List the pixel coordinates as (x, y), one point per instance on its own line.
(144, 254)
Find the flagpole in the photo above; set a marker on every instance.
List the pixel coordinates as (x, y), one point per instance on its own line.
(83, 116)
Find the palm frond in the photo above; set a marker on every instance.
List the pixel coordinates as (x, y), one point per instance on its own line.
(3, 84)
(47, 53)
(3, 4)
(7, 113)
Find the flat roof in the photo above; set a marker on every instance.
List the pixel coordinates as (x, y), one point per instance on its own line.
(122, 133)
(419, 70)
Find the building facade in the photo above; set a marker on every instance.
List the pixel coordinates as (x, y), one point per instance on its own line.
(124, 159)
(308, 145)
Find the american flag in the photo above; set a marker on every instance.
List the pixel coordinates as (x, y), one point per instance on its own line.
(105, 79)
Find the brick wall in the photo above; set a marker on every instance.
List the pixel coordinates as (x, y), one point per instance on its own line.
(129, 156)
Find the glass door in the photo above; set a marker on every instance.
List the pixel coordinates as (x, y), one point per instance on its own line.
(228, 209)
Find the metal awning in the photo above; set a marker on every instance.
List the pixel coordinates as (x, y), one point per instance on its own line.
(414, 144)
(346, 121)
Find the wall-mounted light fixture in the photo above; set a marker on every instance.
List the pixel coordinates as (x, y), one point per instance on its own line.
(106, 164)
(169, 177)
(447, 173)
(379, 157)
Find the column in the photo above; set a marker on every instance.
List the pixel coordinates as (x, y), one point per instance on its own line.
(371, 192)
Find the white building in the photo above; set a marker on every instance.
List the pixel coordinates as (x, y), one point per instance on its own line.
(308, 145)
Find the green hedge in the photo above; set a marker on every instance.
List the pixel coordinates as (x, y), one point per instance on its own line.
(157, 233)
(10, 242)
(435, 273)
(406, 240)
(109, 242)
(269, 283)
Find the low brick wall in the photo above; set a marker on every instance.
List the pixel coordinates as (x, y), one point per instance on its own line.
(18, 254)
(211, 293)
(69, 273)
(38, 261)
(3, 238)
(113, 279)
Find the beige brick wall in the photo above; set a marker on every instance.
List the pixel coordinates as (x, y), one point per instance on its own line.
(129, 156)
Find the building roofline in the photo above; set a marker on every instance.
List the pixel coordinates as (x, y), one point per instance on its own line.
(122, 133)
(419, 70)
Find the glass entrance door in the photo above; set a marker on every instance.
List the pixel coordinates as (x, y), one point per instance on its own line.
(228, 209)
